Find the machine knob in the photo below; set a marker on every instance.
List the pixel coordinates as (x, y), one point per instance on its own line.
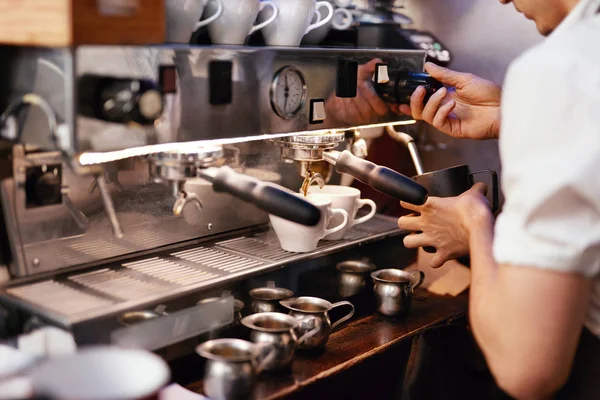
(120, 100)
(396, 86)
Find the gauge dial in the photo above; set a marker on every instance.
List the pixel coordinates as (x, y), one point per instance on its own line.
(288, 92)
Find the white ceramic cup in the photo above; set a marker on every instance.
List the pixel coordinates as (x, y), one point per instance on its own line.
(294, 21)
(237, 20)
(342, 20)
(299, 238)
(348, 199)
(183, 16)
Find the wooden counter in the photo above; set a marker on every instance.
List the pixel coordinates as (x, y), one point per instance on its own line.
(365, 357)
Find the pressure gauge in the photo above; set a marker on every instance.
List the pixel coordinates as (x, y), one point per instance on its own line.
(288, 92)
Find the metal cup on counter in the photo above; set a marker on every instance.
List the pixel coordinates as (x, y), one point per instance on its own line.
(394, 290)
(266, 299)
(353, 277)
(232, 367)
(312, 312)
(278, 331)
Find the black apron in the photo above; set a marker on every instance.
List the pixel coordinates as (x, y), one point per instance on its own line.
(446, 363)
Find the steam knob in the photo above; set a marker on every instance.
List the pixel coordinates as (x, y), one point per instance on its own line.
(396, 86)
(120, 100)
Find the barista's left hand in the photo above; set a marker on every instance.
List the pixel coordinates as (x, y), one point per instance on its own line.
(446, 223)
(363, 109)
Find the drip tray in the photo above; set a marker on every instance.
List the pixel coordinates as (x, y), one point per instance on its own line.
(75, 297)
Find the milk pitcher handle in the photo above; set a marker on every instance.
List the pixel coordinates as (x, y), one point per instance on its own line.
(345, 318)
(316, 329)
(417, 278)
(495, 186)
(268, 353)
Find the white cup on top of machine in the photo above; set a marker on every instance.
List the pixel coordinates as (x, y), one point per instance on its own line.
(237, 20)
(183, 15)
(294, 21)
(342, 19)
(348, 199)
(302, 239)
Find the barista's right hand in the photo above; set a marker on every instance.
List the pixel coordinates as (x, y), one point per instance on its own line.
(469, 109)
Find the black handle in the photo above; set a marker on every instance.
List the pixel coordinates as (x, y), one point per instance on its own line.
(266, 196)
(381, 178)
(495, 196)
(495, 186)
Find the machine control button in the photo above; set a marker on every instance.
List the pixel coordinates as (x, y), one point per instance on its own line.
(317, 111)
(220, 83)
(347, 79)
(381, 74)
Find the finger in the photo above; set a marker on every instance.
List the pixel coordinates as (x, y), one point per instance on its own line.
(415, 240)
(404, 109)
(438, 260)
(416, 102)
(366, 71)
(433, 105)
(410, 223)
(447, 76)
(410, 207)
(377, 104)
(441, 120)
(480, 187)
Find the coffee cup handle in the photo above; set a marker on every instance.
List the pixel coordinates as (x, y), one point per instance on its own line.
(323, 21)
(310, 333)
(346, 21)
(213, 17)
(346, 317)
(362, 203)
(417, 278)
(264, 4)
(340, 226)
(495, 186)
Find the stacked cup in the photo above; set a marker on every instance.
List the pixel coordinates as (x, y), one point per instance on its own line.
(341, 20)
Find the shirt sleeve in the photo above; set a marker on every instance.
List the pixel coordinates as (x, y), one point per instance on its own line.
(550, 152)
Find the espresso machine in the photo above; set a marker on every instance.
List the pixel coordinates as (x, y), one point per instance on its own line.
(140, 178)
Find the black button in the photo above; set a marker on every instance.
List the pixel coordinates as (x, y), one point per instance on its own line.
(347, 78)
(220, 83)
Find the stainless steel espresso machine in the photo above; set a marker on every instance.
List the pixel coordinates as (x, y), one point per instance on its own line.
(139, 179)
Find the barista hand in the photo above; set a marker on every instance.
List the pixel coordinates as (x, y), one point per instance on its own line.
(470, 109)
(363, 109)
(446, 223)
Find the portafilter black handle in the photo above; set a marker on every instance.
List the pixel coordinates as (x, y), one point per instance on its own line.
(379, 178)
(266, 196)
(399, 85)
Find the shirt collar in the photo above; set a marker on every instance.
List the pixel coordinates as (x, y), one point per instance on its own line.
(582, 10)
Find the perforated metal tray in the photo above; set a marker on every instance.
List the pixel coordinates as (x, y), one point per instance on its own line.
(111, 289)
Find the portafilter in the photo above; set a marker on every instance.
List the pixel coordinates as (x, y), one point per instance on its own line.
(175, 167)
(307, 148)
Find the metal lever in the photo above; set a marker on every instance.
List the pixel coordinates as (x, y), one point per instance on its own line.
(266, 196)
(82, 221)
(109, 206)
(379, 178)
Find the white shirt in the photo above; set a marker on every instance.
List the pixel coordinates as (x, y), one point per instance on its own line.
(550, 152)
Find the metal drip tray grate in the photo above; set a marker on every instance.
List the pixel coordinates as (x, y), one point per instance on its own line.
(258, 247)
(217, 259)
(98, 292)
(117, 284)
(99, 248)
(170, 271)
(59, 297)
